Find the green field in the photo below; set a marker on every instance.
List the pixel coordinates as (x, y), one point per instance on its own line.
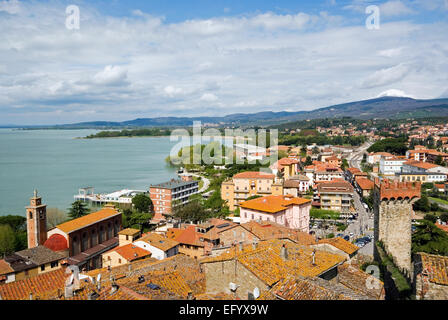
(441, 201)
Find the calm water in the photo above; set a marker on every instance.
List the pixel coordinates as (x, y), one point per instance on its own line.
(56, 164)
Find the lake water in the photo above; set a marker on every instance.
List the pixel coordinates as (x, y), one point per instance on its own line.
(57, 165)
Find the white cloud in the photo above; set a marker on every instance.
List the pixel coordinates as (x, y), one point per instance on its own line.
(10, 6)
(395, 8)
(386, 76)
(209, 97)
(394, 93)
(142, 66)
(111, 75)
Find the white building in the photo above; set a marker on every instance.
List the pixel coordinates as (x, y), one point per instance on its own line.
(159, 246)
(391, 166)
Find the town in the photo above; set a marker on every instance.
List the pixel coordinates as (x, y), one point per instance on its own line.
(364, 219)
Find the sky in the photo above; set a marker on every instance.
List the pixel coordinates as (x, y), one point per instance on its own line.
(154, 58)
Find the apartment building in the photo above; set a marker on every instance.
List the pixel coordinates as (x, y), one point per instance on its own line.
(335, 195)
(422, 167)
(246, 184)
(391, 166)
(166, 195)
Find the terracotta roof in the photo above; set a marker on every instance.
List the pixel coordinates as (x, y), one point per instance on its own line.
(287, 161)
(335, 186)
(56, 242)
(360, 281)
(421, 164)
(158, 241)
(267, 264)
(365, 184)
(189, 236)
(341, 244)
(353, 170)
(87, 220)
(172, 285)
(266, 230)
(38, 285)
(300, 177)
(273, 204)
(442, 226)
(131, 252)
(299, 288)
(436, 268)
(253, 175)
(129, 232)
(5, 268)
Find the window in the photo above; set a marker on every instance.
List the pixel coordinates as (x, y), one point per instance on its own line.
(31, 215)
(54, 264)
(108, 258)
(119, 260)
(42, 267)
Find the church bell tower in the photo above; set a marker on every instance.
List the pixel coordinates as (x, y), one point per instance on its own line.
(36, 221)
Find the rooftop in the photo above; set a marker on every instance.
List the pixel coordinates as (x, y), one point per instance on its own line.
(365, 184)
(129, 232)
(335, 186)
(266, 262)
(173, 184)
(253, 175)
(158, 241)
(341, 244)
(421, 164)
(436, 268)
(131, 252)
(79, 223)
(40, 255)
(273, 204)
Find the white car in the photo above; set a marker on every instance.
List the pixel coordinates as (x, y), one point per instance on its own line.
(351, 234)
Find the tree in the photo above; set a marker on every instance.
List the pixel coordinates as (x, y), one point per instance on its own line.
(55, 216)
(439, 160)
(142, 203)
(17, 223)
(430, 239)
(344, 164)
(308, 161)
(78, 209)
(422, 204)
(192, 211)
(444, 217)
(7, 240)
(431, 217)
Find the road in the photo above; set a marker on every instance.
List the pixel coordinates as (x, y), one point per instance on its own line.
(206, 181)
(354, 160)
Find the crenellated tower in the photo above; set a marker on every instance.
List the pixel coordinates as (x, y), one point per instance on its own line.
(392, 219)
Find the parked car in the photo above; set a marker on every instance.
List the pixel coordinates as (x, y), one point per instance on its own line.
(347, 238)
(340, 235)
(351, 234)
(360, 244)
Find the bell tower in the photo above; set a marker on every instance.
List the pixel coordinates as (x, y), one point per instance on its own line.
(36, 221)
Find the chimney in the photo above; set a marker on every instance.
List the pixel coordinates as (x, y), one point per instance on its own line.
(284, 252)
(313, 255)
(190, 296)
(31, 296)
(241, 246)
(254, 244)
(114, 288)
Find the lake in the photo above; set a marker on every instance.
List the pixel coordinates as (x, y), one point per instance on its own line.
(57, 165)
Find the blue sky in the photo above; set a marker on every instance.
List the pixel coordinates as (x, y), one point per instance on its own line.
(154, 58)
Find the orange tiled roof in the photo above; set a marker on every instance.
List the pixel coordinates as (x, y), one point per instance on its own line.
(421, 164)
(86, 220)
(365, 184)
(267, 264)
(436, 268)
(131, 252)
(341, 244)
(273, 204)
(189, 236)
(38, 285)
(442, 226)
(158, 241)
(253, 175)
(5, 268)
(266, 230)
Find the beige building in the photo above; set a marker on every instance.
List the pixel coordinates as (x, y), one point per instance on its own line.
(123, 255)
(247, 184)
(335, 195)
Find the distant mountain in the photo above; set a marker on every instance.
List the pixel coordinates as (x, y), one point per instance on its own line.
(382, 107)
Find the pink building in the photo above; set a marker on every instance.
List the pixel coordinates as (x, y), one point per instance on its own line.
(291, 212)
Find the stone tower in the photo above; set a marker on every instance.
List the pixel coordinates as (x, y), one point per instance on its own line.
(36, 221)
(392, 219)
